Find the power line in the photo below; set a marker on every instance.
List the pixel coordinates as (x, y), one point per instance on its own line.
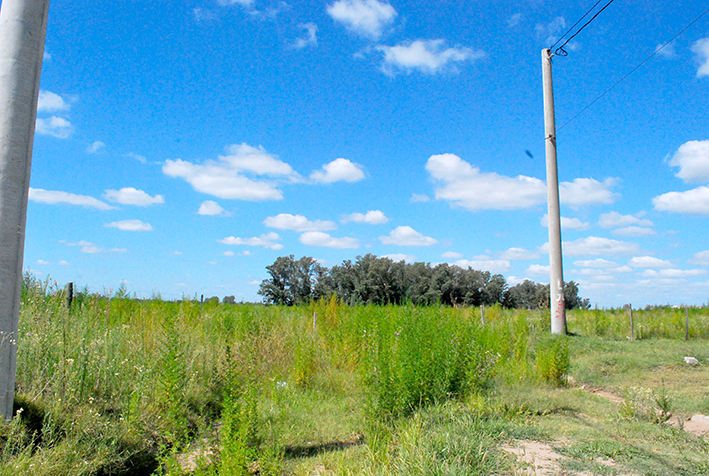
(574, 25)
(560, 50)
(633, 70)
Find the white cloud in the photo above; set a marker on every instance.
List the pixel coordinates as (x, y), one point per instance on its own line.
(538, 270)
(485, 263)
(51, 102)
(568, 223)
(407, 236)
(692, 158)
(266, 241)
(367, 18)
(339, 170)
(465, 186)
(597, 263)
(616, 220)
(396, 257)
(701, 258)
(53, 197)
(515, 254)
(211, 208)
(701, 49)
(514, 20)
(138, 157)
(418, 197)
(649, 262)
(588, 191)
(132, 196)
(427, 56)
(668, 51)
(451, 255)
(243, 3)
(673, 273)
(229, 253)
(286, 221)
(224, 178)
(311, 38)
(551, 32)
(695, 201)
(130, 225)
(95, 147)
(318, 238)
(203, 14)
(372, 217)
(633, 231)
(42, 262)
(594, 245)
(85, 247)
(63, 263)
(55, 127)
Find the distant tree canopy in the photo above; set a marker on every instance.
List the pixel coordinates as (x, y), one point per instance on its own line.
(373, 280)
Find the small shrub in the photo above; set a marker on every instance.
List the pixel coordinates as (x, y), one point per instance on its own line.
(553, 359)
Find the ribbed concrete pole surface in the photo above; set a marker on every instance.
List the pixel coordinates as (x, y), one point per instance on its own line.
(23, 26)
(556, 283)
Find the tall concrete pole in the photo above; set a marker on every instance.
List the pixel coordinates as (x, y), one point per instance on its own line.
(23, 26)
(556, 283)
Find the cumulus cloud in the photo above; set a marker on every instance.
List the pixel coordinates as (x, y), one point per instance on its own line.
(467, 187)
(451, 255)
(95, 147)
(91, 248)
(132, 196)
(211, 208)
(367, 18)
(485, 263)
(692, 158)
(551, 32)
(567, 223)
(407, 236)
(267, 240)
(695, 201)
(318, 238)
(51, 102)
(667, 51)
(588, 191)
(701, 49)
(633, 231)
(649, 262)
(54, 126)
(517, 254)
(616, 220)
(426, 56)
(339, 170)
(243, 3)
(372, 217)
(130, 225)
(310, 39)
(538, 270)
(225, 177)
(597, 263)
(673, 273)
(53, 197)
(418, 197)
(396, 257)
(701, 258)
(596, 246)
(286, 221)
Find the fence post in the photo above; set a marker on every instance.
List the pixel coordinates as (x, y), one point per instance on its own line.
(482, 314)
(69, 292)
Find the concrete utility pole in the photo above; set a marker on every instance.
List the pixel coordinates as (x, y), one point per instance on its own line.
(23, 26)
(556, 283)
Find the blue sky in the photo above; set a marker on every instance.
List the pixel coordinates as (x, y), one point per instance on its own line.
(182, 147)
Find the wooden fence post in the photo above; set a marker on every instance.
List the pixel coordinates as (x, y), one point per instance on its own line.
(482, 314)
(69, 292)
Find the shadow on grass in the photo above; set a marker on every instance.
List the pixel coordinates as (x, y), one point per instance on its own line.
(306, 451)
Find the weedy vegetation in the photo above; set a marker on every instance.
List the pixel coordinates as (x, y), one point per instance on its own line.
(118, 386)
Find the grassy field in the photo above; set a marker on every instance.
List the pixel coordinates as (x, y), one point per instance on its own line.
(119, 386)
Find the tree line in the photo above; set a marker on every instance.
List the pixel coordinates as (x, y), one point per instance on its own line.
(378, 280)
